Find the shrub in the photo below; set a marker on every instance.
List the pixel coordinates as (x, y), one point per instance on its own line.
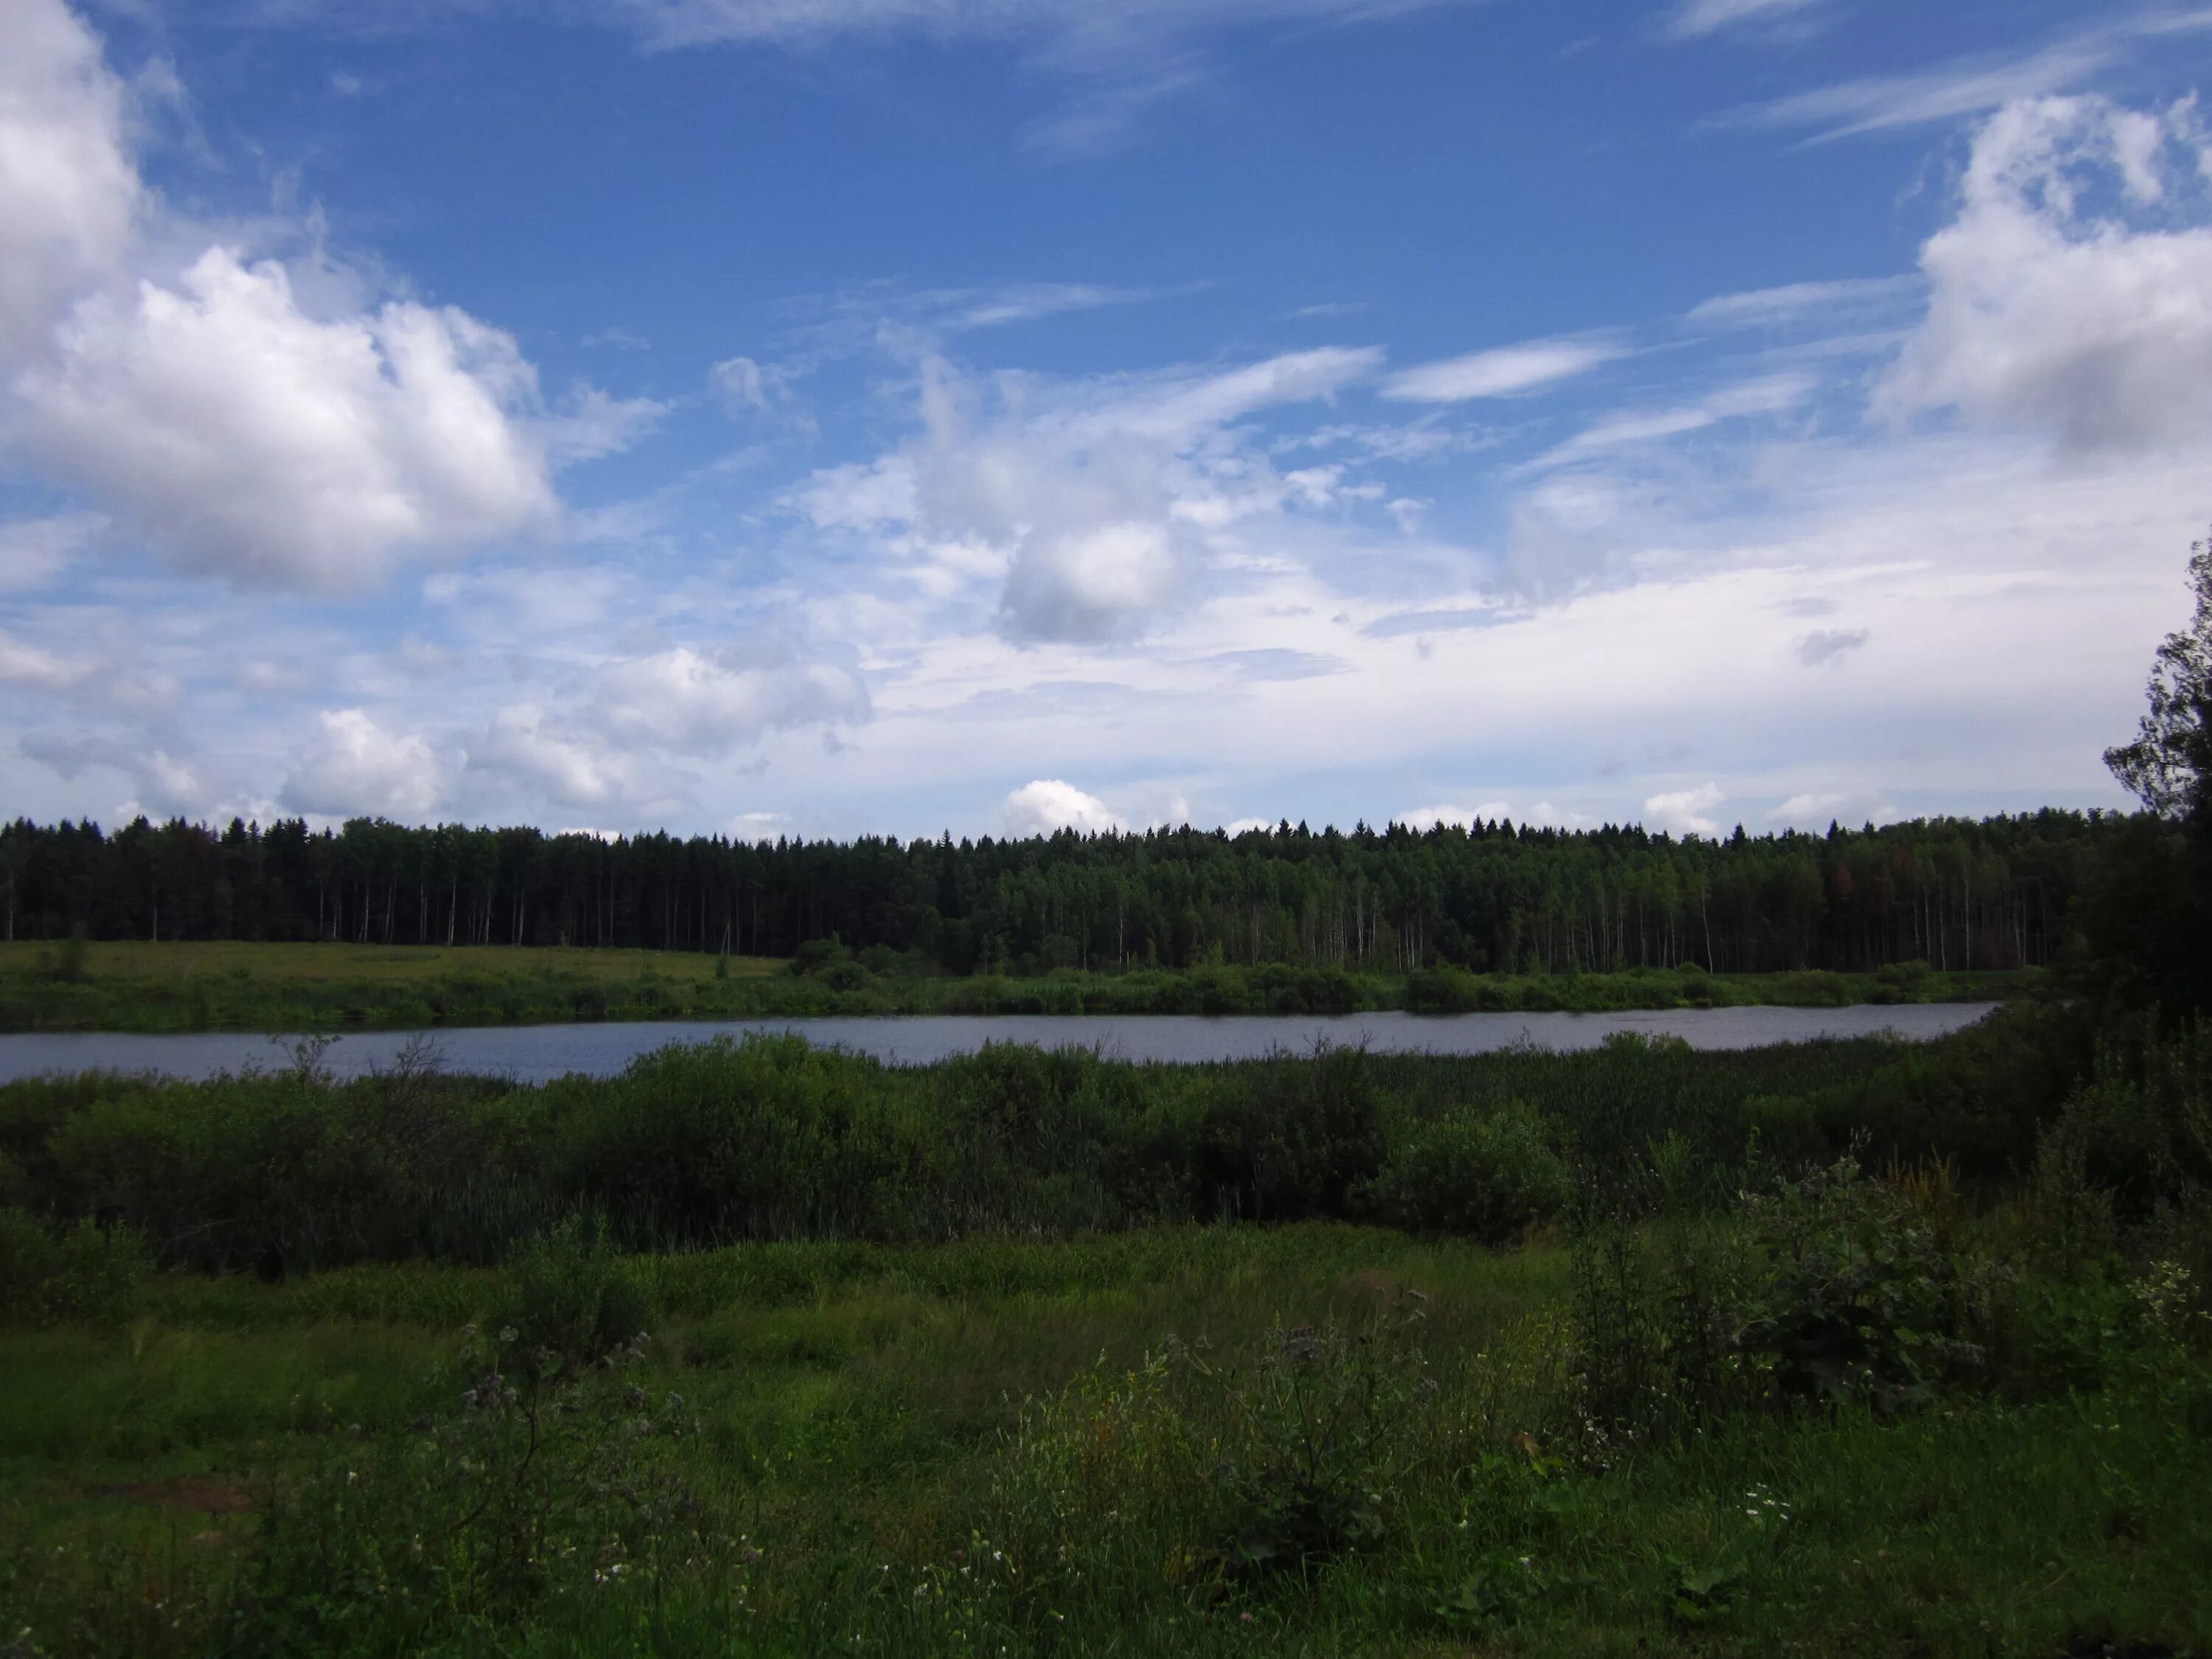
(544, 1481)
(575, 1295)
(1294, 1139)
(1489, 1177)
(1274, 1459)
(1856, 1300)
(86, 1274)
(1903, 981)
(1825, 1290)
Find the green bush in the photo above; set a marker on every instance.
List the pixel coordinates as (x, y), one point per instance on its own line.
(573, 1294)
(1489, 1177)
(1854, 1299)
(545, 1483)
(87, 1275)
(1266, 1460)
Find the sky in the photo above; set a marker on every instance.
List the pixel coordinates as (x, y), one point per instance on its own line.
(828, 418)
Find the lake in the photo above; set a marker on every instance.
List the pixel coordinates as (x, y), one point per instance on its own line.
(535, 1054)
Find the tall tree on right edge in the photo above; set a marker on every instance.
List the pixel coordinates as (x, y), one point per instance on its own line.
(2145, 923)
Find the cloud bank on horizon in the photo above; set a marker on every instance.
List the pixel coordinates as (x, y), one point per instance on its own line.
(758, 428)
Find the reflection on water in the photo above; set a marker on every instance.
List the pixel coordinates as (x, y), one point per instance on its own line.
(533, 1054)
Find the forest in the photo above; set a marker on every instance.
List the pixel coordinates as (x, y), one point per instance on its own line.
(1957, 894)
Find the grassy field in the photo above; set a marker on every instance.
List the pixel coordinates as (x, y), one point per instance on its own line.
(762, 1350)
(979, 1449)
(231, 986)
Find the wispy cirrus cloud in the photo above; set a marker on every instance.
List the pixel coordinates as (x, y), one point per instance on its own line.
(1693, 18)
(1116, 61)
(1794, 303)
(1511, 370)
(1968, 86)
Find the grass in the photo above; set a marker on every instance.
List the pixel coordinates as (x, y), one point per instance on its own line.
(862, 1426)
(237, 985)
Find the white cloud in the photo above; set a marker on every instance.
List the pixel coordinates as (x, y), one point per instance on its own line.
(164, 785)
(1696, 17)
(1089, 502)
(2045, 314)
(255, 419)
(1089, 583)
(1507, 372)
(1684, 811)
(1772, 394)
(68, 192)
(23, 663)
(594, 424)
(253, 440)
(1972, 86)
(1098, 24)
(1049, 805)
(1826, 303)
(748, 388)
(1462, 817)
(33, 551)
(692, 702)
(1177, 410)
(359, 767)
(572, 769)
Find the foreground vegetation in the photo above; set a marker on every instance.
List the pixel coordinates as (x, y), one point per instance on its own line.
(1837, 1348)
(229, 986)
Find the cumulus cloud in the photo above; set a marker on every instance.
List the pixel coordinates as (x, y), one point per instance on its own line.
(2072, 293)
(573, 768)
(1684, 812)
(69, 191)
(1092, 501)
(706, 704)
(254, 439)
(1507, 372)
(163, 784)
(1089, 583)
(1049, 805)
(1458, 817)
(251, 417)
(357, 767)
(616, 733)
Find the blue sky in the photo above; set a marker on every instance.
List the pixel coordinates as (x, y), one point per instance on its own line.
(826, 416)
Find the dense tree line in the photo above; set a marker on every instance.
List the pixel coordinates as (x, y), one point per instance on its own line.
(1494, 896)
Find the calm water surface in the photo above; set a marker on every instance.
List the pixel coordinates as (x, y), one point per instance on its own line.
(534, 1054)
